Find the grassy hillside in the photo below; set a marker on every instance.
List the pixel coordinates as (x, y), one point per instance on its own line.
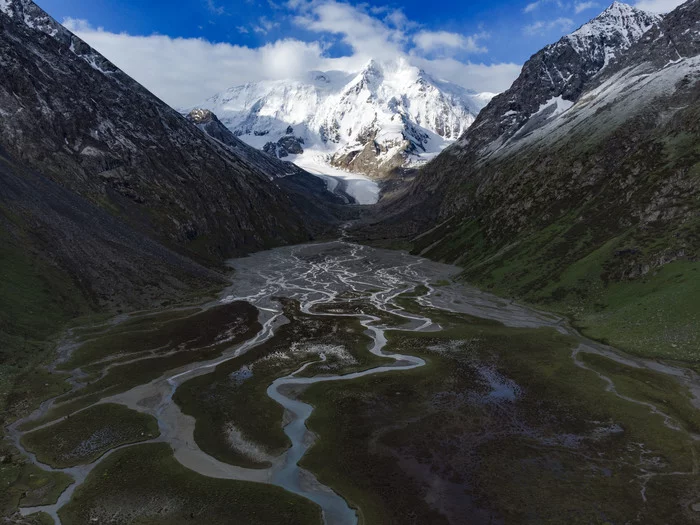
(636, 289)
(36, 300)
(602, 225)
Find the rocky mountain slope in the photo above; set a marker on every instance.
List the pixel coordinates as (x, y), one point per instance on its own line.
(208, 122)
(110, 199)
(386, 116)
(555, 77)
(70, 116)
(580, 191)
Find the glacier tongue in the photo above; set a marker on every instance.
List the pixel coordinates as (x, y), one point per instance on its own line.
(361, 188)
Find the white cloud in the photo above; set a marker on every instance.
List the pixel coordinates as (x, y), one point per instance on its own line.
(214, 9)
(365, 34)
(399, 20)
(78, 25)
(185, 71)
(532, 6)
(265, 25)
(541, 27)
(479, 77)
(583, 6)
(430, 41)
(658, 6)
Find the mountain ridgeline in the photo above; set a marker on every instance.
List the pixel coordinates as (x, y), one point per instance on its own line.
(110, 198)
(376, 121)
(579, 187)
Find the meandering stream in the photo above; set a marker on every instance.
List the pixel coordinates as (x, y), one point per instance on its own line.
(315, 274)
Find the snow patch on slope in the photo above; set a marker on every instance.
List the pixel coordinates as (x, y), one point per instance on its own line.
(627, 93)
(554, 106)
(5, 6)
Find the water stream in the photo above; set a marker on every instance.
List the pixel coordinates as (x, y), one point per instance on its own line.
(315, 274)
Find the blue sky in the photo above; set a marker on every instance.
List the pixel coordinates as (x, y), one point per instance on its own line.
(187, 50)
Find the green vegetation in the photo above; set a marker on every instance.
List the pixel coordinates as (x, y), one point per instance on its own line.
(144, 484)
(87, 435)
(656, 316)
(645, 385)
(502, 424)
(40, 487)
(200, 330)
(418, 291)
(185, 340)
(607, 284)
(24, 484)
(236, 421)
(36, 301)
(39, 518)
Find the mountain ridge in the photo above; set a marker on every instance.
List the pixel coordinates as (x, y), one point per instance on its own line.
(554, 77)
(374, 121)
(76, 127)
(576, 208)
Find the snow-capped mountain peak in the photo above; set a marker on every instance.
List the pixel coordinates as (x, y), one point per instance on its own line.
(386, 115)
(611, 32)
(554, 78)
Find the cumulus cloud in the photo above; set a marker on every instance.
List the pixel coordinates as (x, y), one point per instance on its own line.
(430, 41)
(583, 6)
(658, 6)
(541, 27)
(185, 71)
(365, 34)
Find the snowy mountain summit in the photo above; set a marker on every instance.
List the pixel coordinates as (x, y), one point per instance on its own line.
(554, 78)
(386, 116)
(612, 32)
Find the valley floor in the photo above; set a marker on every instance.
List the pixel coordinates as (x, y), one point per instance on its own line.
(345, 384)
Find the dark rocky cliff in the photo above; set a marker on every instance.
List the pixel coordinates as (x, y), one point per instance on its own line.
(74, 126)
